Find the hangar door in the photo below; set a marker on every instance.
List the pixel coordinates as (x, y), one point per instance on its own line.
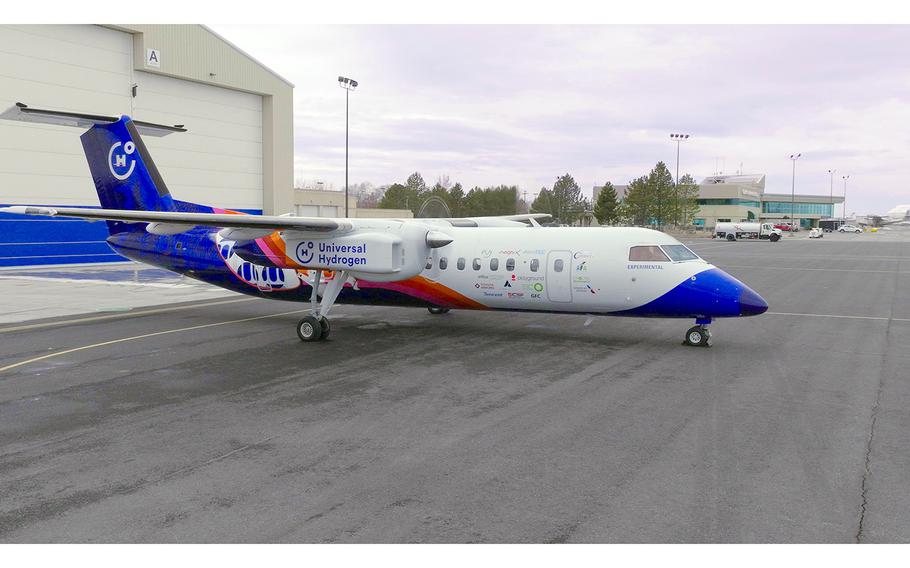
(218, 161)
(78, 68)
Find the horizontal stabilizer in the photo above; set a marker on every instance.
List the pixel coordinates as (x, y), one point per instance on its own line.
(24, 113)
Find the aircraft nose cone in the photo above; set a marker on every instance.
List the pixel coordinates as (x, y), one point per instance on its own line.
(750, 303)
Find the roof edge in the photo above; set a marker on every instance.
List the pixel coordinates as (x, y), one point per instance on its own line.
(245, 54)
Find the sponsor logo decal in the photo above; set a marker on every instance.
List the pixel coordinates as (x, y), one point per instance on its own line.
(493, 294)
(507, 284)
(328, 253)
(582, 254)
(538, 287)
(118, 157)
(583, 266)
(516, 294)
(644, 267)
(305, 252)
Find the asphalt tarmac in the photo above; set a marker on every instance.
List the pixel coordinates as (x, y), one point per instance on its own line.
(212, 422)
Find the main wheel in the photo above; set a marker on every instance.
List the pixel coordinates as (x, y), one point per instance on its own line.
(326, 328)
(436, 310)
(698, 336)
(309, 329)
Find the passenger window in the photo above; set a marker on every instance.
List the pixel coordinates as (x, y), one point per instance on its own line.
(475, 264)
(494, 264)
(535, 264)
(429, 263)
(461, 263)
(443, 262)
(647, 254)
(558, 265)
(510, 264)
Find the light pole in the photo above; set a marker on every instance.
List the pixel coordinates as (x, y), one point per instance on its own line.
(793, 158)
(679, 138)
(831, 196)
(845, 197)
(348, 85)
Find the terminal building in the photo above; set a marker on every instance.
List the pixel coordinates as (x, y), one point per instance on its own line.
(742, 198)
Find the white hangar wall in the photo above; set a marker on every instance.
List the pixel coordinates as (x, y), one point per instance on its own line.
(237, 152)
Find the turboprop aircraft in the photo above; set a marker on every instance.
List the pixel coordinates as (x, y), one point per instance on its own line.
(506, 263)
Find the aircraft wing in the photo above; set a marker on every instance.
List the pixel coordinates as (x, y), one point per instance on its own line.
(185, 221)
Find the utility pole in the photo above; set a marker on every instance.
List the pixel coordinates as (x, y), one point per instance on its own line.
(831, 197)
(793, 158)
(348, 85)
(678, 138)
(845, 197)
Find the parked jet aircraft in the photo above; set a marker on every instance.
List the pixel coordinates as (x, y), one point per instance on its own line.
(488, 263)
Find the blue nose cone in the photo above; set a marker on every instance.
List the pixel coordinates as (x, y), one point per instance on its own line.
(712, 293)
(750, 303)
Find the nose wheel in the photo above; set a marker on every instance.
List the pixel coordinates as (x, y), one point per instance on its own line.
(699, 336)
(437, 311)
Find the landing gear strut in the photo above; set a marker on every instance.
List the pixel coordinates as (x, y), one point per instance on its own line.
(315, 326)
(699, 336)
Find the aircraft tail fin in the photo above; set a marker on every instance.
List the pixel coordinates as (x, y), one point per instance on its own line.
(124, 173)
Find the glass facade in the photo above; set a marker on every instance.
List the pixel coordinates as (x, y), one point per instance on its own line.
(742, 202)
(783, 208)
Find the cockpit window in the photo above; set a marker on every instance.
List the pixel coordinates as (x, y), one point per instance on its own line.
(647, 254)
(679, 253)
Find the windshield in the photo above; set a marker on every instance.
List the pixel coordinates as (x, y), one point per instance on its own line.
(679, 253)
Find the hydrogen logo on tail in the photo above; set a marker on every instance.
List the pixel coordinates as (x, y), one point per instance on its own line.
(305, 252)
(117, 161)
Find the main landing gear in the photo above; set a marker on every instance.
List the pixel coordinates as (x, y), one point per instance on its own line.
(699, 336)
(315, 327)
(437, 311)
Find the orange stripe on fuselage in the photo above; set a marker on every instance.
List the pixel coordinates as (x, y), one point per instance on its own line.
(444, 292)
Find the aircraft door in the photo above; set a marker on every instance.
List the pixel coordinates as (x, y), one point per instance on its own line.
(559, 276)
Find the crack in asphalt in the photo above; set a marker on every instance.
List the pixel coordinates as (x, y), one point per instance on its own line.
(867, 465)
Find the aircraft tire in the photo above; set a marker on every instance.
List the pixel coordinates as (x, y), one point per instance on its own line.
(437, 311)
(309, 329)
(326, 328)
(698, 336)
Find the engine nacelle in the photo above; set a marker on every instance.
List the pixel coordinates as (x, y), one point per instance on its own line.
(396, 253)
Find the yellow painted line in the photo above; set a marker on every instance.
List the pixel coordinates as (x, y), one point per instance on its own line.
(119, 316)
(133, 338)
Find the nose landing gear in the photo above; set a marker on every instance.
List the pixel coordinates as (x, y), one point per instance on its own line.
(699, 336)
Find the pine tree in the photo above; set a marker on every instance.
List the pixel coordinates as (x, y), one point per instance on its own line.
(660, 185)
(688, 200)
(638, 207)
(606, 210)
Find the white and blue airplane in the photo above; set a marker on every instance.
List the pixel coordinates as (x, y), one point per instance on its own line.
(506, 263)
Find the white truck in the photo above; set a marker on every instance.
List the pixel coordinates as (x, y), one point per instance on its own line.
(736, 231)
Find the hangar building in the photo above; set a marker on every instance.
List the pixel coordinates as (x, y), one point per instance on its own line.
(238, 151)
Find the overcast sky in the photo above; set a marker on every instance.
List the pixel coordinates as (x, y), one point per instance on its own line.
(493, 104)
